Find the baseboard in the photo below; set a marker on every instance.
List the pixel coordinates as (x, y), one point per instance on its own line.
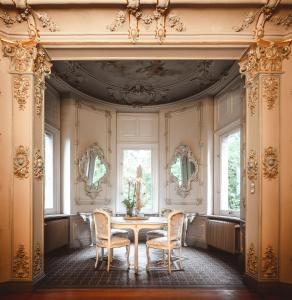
(268, 287)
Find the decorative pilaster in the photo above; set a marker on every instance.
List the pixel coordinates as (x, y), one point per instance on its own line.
(262, 68)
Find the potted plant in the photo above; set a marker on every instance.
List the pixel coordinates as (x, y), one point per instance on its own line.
(129, 202)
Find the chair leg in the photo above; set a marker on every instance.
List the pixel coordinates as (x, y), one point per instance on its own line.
(169, 261)
(180, 259)
(128, 256)
(163, 257)
(108, 259)
(96, 260)
(148, 258)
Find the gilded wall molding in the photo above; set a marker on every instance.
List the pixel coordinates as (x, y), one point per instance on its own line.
(252, 260)
(21, 162)
(252, 170)
(264, 56)
(271, 86)
(270, 163)
(20, 267)
(269, 264)
(37, 260)
(38, 165)
(253, 97)
(21, 89)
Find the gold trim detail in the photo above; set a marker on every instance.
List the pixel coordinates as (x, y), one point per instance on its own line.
(264, 56)
(38, 165)
(37, 260)
(270, 163)
(21, 162)
(252, 100)
(21, 263)
(284, 21)
(21, 87)
(271, 91)
(252, 166)
(252, 260)
(269, 264)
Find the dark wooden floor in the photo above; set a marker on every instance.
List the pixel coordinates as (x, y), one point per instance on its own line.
(139, 294)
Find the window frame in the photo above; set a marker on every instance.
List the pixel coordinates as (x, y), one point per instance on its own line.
(218, 136)
(55, 133)
(120, 209)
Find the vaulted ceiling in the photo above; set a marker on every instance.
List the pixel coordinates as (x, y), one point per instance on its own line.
(143, 82)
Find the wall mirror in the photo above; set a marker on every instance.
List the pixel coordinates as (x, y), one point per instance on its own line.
(183, 169)
(93, 170)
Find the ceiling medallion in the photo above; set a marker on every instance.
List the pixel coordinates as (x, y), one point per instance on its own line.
(38, 165)
(136, 15)
(270, 90)
(270, 163)
(252, 260)
(21, 163)
(21, 87)
(20, 263)
(270, 264)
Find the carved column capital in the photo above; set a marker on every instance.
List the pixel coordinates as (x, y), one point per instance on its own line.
(264, 56)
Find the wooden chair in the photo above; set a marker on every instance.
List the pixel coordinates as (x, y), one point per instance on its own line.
(172, 241)
(104, 238)
(156, 233)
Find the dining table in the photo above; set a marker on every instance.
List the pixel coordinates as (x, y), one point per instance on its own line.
(136, 225)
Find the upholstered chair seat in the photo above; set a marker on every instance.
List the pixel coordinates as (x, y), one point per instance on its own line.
(105, 238)
(173, 240)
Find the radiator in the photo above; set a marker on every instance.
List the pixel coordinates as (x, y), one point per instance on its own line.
(223, 235)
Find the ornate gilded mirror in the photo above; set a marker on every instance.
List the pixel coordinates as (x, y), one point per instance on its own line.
(183, 169)
(93, 170)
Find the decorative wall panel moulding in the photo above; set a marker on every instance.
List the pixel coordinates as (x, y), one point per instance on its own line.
(269, 264)
(271, 87)
(37, 260)
(21, 162)
(270, 163)
(252, 261)
(21, 87)
(20, 267)
(38, 165)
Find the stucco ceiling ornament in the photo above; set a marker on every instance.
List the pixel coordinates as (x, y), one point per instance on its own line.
(21, 162)
(37, 260)
(252, 260)
(20, 267)
(21, 88)
(270, 163)
(38, 165)
(269, 264)
(271, 90)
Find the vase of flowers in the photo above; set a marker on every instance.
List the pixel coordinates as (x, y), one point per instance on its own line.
(130, 201)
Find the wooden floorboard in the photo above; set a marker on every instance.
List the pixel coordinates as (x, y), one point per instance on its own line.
(137, 294)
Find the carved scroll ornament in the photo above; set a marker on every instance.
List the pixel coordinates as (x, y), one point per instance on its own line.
(252, 260)
(253, 97)
(21, 263)
(270, 264)
(252, 170)
(21, 162)
(38, 165)
(270, 163)
(271, 91)
(21, 86)
(37, 260)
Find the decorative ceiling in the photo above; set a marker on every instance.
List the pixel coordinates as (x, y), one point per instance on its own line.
(142, 82)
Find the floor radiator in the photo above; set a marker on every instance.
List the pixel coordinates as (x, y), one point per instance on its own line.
(223, 235)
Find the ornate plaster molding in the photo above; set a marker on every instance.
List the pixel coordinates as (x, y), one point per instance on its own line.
(38, 165)
(37, 260)
(135, 16)
(253, 97)
(252, 170)
(20, 267)
(269, 264)
(271, 85)
(264, 56)
(284, 21)
(21, 88)
(270, 163)
(252, 260)
(260, 17)
(21, 162)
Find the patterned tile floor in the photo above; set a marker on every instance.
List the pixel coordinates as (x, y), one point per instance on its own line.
(201, 268)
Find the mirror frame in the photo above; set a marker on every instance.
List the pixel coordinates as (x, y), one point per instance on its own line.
(92, 190)
(180, 151)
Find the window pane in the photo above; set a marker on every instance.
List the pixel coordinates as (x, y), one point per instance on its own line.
(230, 172)
(132, 158)
(49, 171)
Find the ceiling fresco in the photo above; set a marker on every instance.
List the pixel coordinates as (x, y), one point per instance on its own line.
(141, 82)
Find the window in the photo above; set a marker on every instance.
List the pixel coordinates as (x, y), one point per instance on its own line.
(130, 158)
(227, 184)
(52, 174)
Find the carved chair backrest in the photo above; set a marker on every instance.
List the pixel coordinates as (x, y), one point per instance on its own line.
(175, 225)
(102, 221)
(165, 212)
